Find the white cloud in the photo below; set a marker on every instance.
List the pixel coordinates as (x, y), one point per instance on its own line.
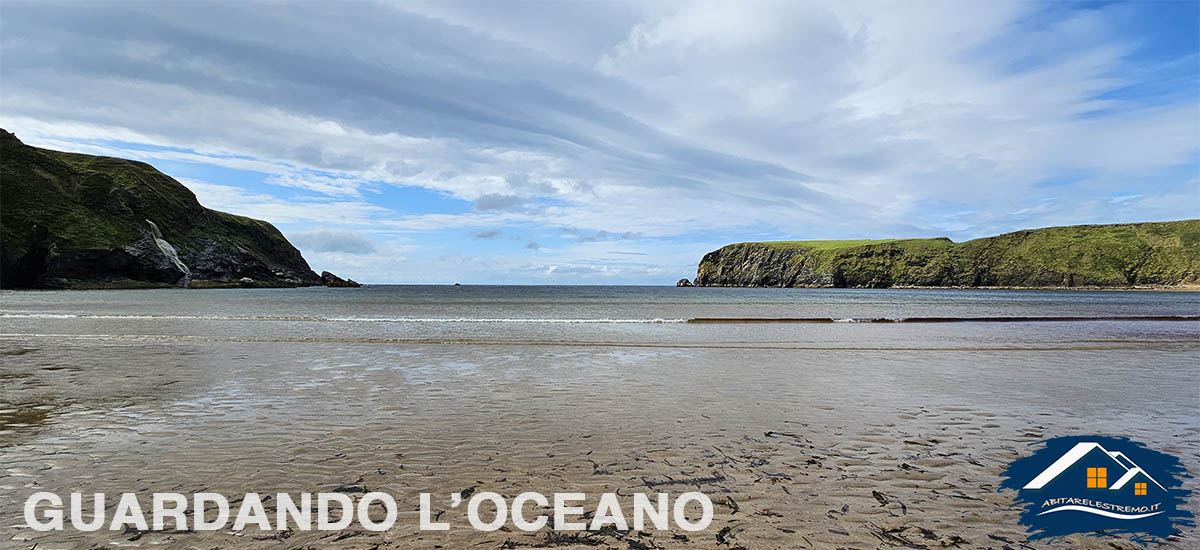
(331, 240)
(283, 211)
(680, 126)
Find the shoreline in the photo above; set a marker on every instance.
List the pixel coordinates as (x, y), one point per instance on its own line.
(220, 285)
(1153, 288)
(193, 285)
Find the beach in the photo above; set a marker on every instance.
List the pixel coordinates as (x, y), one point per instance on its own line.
(818, 430)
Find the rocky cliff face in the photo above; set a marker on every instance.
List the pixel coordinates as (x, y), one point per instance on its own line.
(755, 264)
(1119, 255)
(76, 221)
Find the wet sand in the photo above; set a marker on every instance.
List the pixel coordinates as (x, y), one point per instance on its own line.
(866, 440)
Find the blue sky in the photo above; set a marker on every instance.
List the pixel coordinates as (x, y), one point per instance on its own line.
(617, 142)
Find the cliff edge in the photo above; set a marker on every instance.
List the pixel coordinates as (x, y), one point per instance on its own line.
(70, 220)
(1155, 254)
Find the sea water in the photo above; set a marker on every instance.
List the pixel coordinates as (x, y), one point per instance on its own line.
(784, 400)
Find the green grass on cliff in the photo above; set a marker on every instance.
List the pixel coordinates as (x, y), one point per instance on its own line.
(827, 245)
(1097, 254)
(1156, 253)
(82, 211)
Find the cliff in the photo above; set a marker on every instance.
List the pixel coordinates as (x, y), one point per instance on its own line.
(1118, 255)
(69, 220)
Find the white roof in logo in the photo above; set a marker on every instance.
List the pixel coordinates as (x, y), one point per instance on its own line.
(1079, 451)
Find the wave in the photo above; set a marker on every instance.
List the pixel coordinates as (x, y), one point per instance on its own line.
(309, 318)
(520, 342)
(26, 315)
(694, 320)
(500, 320)
(1105, 513)
(1042, 319)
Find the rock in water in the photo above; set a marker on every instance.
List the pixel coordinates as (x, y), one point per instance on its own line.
(75, 221)
(331, 280)
(683, 282)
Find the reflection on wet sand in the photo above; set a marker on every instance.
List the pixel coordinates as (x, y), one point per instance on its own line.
(24, 415)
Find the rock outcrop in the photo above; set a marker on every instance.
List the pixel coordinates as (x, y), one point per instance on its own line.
(330, 280)
(69, 220)
(683, 282)
(1109, 256)
(158, 258)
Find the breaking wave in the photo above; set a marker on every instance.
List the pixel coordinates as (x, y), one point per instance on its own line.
(695, 320)
(310, 318)
(941, 319)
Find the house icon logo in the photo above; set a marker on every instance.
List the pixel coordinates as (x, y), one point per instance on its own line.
(1099, 485)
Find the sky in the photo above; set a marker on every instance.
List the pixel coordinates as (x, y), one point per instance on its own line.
(617, 142)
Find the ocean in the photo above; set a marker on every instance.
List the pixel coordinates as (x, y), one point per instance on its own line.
(799, 406)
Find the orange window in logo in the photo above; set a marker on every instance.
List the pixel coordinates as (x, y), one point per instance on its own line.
(1097, 478)
(1139, 488)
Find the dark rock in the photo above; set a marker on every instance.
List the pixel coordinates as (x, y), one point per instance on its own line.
(683, 282)
(158, 259)
(331, 280)
(150, 260)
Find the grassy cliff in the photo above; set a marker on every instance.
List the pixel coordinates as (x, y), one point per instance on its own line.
(1118, 255)
(73, 220)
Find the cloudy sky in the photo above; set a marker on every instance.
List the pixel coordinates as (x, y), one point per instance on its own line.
(615, 143)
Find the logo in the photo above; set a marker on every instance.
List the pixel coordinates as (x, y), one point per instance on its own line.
(1094, 484)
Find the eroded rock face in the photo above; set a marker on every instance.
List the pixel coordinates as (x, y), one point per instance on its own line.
(753, 265)
(158, 259)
